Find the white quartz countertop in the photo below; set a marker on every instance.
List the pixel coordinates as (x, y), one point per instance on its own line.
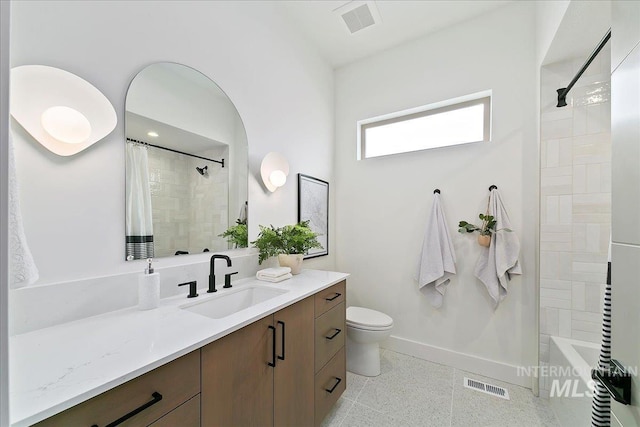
(55, 368)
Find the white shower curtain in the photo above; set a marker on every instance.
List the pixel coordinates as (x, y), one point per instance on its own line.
(138, 203)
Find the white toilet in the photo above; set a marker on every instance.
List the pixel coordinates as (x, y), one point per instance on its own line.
(365, 330)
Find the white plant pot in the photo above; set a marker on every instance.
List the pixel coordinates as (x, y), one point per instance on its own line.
(293, 261)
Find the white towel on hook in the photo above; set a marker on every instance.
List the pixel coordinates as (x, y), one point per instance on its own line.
(438, 259)
(500, 259)
(22, 268)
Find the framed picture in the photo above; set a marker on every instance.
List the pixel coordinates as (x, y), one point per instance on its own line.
(313, 206)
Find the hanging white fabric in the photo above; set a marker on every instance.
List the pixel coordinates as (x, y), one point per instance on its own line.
(139, 222)
(438, 260)
(22, 268)
(500, 260)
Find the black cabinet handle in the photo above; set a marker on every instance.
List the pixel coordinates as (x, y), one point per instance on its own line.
(335, 334)
(280, 322)
(333, 297)
(334, 386)
(273, 348)
(157, 397)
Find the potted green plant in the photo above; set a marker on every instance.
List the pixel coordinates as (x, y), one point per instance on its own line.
(289, 243)
(486, 229)
(237, 234)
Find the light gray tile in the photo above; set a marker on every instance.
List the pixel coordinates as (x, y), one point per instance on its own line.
(586, 316)
(594, 297)
(564, 323)
(554, 172)
(549, 320)
(355, 383)
(409, 388)
(580, 179)
(338, 413)
(473, 408)
(577, 296)
(363, 416)
(555, 293)
(555, 284)
(555, 303)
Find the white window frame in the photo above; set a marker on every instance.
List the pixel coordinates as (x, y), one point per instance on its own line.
(428, 110)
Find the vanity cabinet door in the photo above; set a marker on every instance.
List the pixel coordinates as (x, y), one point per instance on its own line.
(294, 374)
(237, 381)
(173, 384)
(185, 415)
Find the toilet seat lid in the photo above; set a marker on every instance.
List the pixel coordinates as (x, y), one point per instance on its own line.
(361, 317)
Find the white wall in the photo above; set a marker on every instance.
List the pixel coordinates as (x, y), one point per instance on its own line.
(5, 8)
(384, 202)
(549, 15)
(74, 207)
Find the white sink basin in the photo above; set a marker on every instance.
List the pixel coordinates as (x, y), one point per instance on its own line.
(231, 302)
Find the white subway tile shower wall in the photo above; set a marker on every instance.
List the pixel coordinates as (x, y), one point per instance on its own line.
(575, 191)
(189, 210)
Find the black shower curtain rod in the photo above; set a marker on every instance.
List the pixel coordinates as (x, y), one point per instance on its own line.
(175, 151)
(563, 91)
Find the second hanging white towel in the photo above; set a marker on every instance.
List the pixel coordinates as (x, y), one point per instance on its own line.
(438, 259)
(500, 260)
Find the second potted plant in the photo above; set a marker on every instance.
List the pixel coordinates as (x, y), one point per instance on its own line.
(290, 243)
(486, 229)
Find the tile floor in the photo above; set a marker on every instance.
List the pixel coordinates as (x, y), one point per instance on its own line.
(415, 392)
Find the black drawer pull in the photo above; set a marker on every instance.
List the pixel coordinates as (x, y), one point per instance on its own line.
(280, 322)
(335, 334)
(157, 397)
(273, 348)
(333, 297)
(334, 386)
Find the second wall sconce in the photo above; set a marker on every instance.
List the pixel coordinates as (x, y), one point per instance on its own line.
(60, 110)
(274, 171)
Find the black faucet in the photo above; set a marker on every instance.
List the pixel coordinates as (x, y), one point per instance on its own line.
(192, 288)
(212, 273)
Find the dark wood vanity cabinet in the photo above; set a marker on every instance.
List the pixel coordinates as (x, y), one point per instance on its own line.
(305, 341)
(262, 375)
(330, 333)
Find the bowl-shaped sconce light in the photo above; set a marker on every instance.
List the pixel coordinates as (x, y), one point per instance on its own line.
(274, 171)
(60, 110)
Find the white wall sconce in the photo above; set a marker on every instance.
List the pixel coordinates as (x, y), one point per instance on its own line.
(63, 112)
(274, 171)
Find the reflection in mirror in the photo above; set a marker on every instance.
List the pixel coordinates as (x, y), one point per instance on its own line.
(186, 164)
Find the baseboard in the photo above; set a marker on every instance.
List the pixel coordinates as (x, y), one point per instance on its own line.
(467, 362)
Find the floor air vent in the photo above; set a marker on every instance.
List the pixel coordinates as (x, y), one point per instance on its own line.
(493, 390)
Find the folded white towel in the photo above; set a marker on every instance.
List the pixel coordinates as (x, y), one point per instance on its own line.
(500, 259)
(438, 259)
(273, 272)
(274, 279)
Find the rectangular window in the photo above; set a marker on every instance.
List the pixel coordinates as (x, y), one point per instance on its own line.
(456, 121)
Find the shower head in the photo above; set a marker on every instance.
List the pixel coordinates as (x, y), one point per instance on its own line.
(203, 170)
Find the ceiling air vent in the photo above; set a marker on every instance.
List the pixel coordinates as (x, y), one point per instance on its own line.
(359, 14)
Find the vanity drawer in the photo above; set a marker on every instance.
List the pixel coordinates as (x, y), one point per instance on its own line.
(330, 297)
(185, 415)
(330, 334)
(331, 382)
(177, 382)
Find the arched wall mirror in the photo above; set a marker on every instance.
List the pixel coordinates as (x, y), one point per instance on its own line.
(186, 164)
